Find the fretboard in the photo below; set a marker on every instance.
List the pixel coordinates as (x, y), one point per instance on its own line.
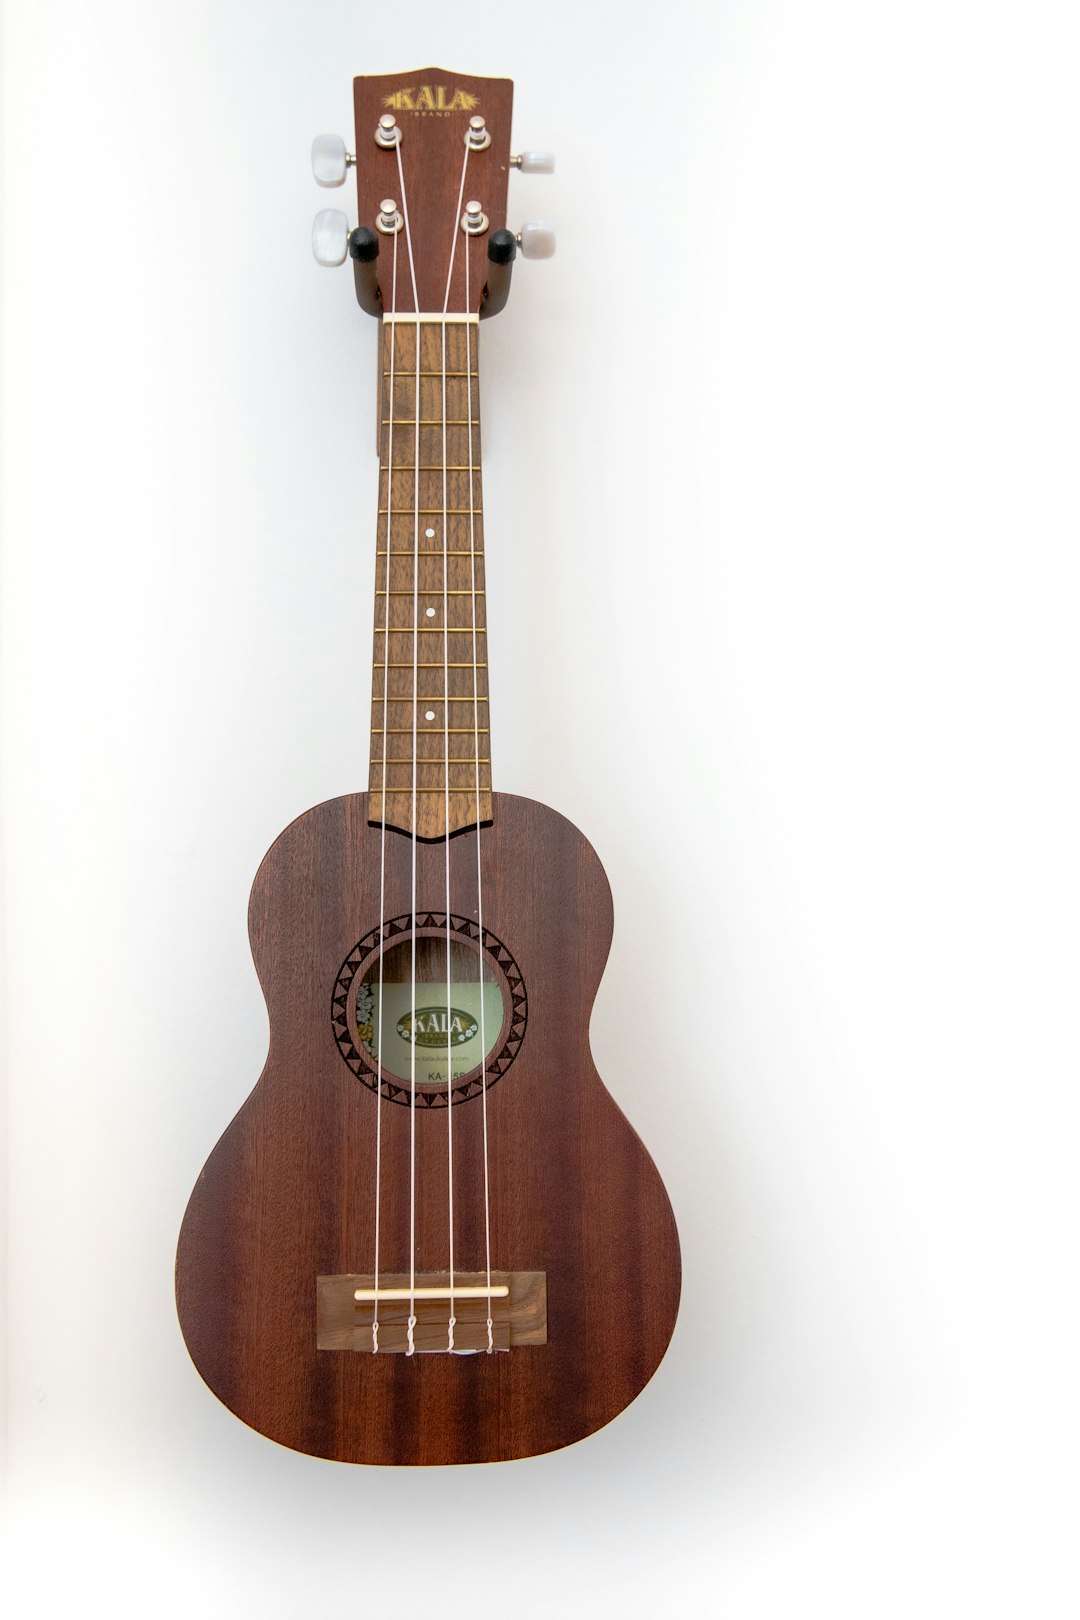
(430, 769)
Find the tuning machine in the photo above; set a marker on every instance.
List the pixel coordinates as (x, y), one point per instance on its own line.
(330, 237)
(533, 162)
(536, 239)
(332, 243)
(330, 162)
(387, 133)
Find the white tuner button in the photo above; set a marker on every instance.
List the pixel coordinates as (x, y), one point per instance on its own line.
(329, 160)
(534, 162)
(536, 239)
(330, 236)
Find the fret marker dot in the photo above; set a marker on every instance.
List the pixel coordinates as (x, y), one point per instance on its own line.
(430, 534)
(429, 714)
(430, 612)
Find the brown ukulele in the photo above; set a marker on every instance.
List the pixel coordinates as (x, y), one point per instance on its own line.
(429, 1235)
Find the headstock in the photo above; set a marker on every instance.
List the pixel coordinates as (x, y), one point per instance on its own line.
(432, 164)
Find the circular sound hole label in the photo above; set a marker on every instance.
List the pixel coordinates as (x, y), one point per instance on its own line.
(435, 1029)
(403, 1026)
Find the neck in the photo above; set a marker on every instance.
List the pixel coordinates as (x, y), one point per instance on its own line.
(430, 771)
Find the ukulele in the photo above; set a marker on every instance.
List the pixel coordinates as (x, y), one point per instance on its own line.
(429, 1235)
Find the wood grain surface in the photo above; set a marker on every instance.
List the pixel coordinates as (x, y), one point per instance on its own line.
(287, 1196)
(432, 154)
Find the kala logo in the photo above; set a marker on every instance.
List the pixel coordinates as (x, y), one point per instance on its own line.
(431, 98)
(429, 1027)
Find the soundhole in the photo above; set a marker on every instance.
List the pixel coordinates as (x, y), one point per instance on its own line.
(410, 1015)
(393, 1000)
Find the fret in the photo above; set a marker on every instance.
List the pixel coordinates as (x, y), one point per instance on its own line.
(428, 787)
(433, 630)
(459, 492)
(410, 663)
(432, 511)
(427, 593)
(427, 421)
(431, 697)
(436, 731)
(429, 549)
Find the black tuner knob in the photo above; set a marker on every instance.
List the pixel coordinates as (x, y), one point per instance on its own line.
(502, 250)
(502, 247)
(363, 251)
(364, 244)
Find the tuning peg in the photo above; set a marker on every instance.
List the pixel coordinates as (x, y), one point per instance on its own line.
(534, 162)
(536, 239)
(330, 236)
(329, 160)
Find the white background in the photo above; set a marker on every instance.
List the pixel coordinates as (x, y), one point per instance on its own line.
(782, 527)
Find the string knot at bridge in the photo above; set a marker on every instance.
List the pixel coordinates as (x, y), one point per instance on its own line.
(429, 1315)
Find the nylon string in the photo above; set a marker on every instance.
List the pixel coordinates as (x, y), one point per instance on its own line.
(382, 828)
(452, 1322)
(476, 781)
(411, 1344)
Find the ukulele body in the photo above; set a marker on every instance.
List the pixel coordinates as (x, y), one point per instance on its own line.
(288, 1195)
